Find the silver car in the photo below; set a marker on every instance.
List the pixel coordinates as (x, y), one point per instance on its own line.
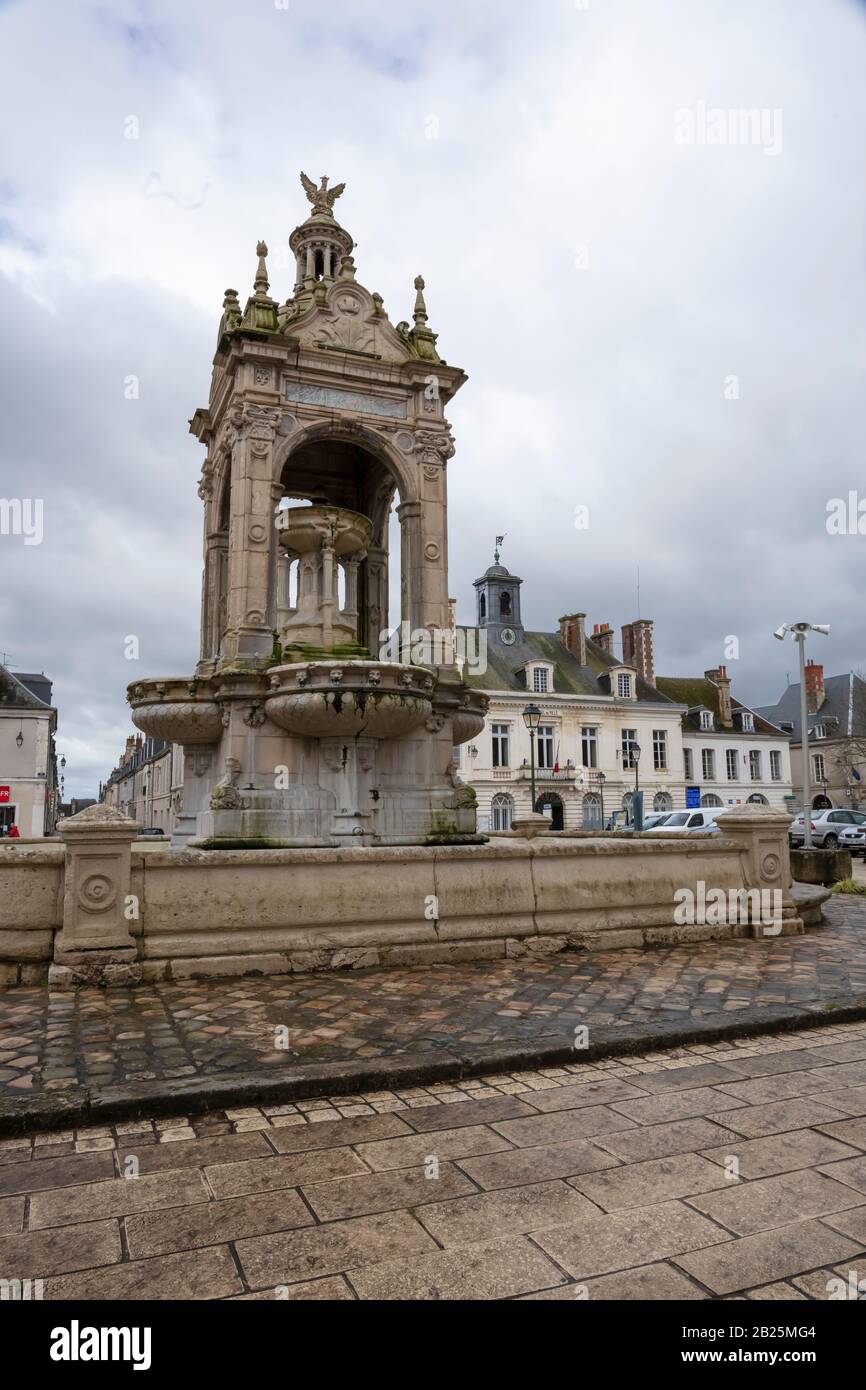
(853, 838)
(827, 826)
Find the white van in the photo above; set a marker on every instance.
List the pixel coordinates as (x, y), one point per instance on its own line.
(684, 822)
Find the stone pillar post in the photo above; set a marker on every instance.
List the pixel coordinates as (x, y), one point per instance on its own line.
(95, 945)
(285, 559)
(350, 607)
(424, 525)
(328, 591)
(376, 618)
(251, 538)
(762, 833)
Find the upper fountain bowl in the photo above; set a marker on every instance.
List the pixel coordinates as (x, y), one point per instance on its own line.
(306, 529)
(331, 699)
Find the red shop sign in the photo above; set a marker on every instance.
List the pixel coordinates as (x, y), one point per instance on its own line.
(4, 793)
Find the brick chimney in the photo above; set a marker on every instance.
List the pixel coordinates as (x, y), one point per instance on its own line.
(603, 637)
(815, 693)
(637, 648)
(572, 635)
(722, 680)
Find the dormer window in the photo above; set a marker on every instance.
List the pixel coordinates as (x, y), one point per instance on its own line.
(540, 680)
(819, 731)
(623, 685)
(706, 721)
(747, 722)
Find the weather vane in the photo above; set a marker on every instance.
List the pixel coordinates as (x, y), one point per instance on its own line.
(499, 540)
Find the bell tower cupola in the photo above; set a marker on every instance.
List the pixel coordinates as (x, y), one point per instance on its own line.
(320, 243)
(498, 600)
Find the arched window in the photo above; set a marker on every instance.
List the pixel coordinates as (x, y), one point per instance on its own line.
(482, 607)
(502, 810)
(710, 799)
(758, 799)
(592, 811)
(505, 605)
(663, 801)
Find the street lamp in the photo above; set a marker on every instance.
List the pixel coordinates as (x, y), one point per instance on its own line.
(531, 717)
(601, 779)
(635, 757)
(798, 632)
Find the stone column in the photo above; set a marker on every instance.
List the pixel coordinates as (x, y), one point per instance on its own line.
(762, 834)
(95, 945)
(376, 618)
(424, 529)
(251, 537)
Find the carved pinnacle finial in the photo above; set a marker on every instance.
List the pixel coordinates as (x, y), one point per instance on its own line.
(420, 314)
(261, 281)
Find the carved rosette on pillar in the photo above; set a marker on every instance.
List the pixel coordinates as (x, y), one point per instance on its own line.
(323, 416)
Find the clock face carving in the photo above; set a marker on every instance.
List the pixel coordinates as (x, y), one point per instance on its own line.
(507, 635)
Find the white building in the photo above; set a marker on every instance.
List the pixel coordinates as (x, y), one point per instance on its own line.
(603, 724)
(732, 753)
(28, 783)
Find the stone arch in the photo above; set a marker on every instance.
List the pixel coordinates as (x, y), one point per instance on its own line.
(351, 465)
(398, 465)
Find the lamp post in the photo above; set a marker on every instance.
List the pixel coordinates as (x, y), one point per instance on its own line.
(531, 717)
(635, 757)
(798, 632)
(601, 779)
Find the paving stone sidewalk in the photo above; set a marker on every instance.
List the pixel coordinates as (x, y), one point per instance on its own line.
(726, 1170)
(54, 1042)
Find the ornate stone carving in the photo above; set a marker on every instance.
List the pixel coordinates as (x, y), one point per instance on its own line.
(322, 198)
(435, 447)
(225, 795)
(97, 892)
(255, 716)
(195, 763)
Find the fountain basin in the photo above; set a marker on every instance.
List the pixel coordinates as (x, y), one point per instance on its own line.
(179, 711)
(329, 700)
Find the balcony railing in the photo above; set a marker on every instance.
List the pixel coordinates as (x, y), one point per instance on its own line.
(546, 774)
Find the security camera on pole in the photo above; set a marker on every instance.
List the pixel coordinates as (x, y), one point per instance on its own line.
(798, 632)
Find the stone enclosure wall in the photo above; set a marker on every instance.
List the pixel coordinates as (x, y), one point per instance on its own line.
(102, 907)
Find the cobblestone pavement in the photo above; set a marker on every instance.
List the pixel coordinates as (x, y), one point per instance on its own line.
(216, 1028)
(727, 1170)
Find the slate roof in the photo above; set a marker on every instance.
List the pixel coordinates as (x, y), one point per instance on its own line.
(698, 691)
(844, 701)
(24, 691)
(570, 678)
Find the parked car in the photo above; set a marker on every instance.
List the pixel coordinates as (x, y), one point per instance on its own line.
(853, 838)
(153, 830)
(826, 825)
(655, 819)
(684, 822)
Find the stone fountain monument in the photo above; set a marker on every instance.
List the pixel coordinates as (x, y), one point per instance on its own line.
(295, 732)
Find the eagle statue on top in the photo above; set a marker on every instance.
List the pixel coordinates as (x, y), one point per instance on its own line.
(323, 198)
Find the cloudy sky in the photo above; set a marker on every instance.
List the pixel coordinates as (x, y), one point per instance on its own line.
(661, 328)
